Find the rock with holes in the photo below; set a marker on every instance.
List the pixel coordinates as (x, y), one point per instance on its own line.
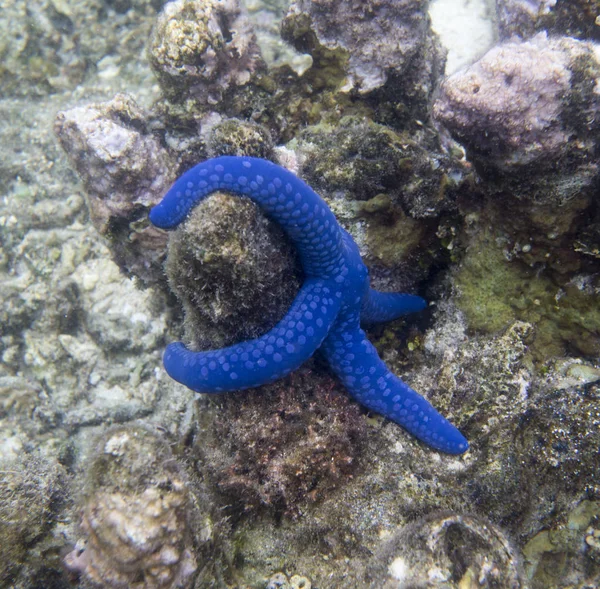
(527, 113)
(201, 48)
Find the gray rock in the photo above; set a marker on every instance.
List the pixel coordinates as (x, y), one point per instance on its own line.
(125, 171)
(444, 551)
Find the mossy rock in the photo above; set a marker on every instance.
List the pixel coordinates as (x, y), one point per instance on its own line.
(494, 292)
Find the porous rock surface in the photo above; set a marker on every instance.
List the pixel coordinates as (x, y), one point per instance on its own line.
(135, 515)
(202, 48)
(529, 108)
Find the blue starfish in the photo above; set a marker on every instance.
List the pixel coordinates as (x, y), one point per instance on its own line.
(326, 313)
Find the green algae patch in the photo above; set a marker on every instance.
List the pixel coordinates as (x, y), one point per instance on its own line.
(390, 239)
(329, 65)
(495, 291)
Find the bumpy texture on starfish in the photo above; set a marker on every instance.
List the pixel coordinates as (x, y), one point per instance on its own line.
(326, 313)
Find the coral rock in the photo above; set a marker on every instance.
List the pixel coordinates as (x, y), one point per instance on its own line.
(375, 37)
(573, 543)
(135, 515)
(523, 18)
(125, 171)
(202, 48)
(384, 187)
(519, 17)
(527, 109)
(31, 492)
(238, 137)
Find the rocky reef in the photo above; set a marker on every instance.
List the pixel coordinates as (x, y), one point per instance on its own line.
(525, 113)
(202, 48)
(478, 191)
(136, 514)
(371, 45)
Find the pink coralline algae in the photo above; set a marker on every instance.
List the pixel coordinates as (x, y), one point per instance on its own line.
(528, 108)
(125, 170)
(121, 163)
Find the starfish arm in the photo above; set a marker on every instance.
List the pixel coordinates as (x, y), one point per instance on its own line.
(386, 306)
(289, 201)
(325, 313)
(265, 359)
(367, 378)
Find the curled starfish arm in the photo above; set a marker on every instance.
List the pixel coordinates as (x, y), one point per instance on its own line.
(386, 306)
(265, 359)
(286, 199)
(372, 384)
